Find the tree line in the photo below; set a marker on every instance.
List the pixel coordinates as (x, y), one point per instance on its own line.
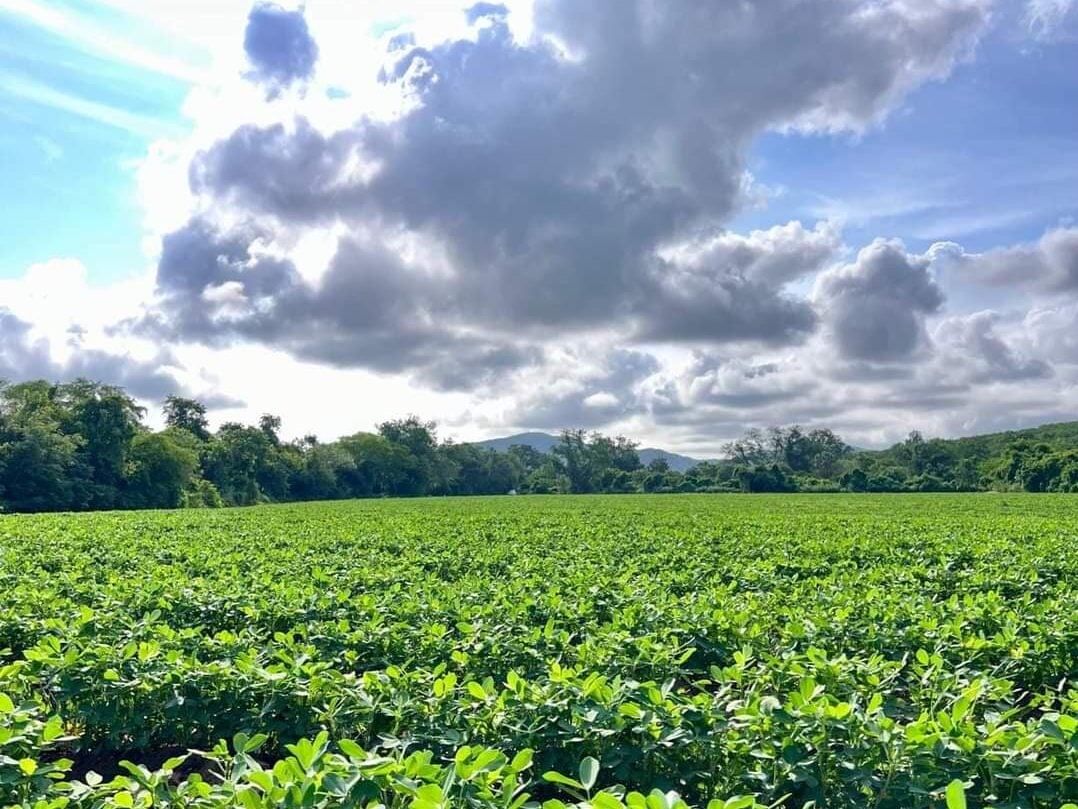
(83, 446)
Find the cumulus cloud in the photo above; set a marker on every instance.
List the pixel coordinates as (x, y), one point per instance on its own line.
(538, 188)
(972, 348)
(875, 307)
(279, 46)
(1048, 266)
(24, 356)
(1051, 331)
(586, 390)
(21, 356)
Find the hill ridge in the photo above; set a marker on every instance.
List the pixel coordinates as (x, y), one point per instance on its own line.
(545, 442)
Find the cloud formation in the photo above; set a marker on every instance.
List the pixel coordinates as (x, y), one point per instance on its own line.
(576, 182)
(24, 356)
(1048, 267)
(536, 222)
(279, 46)
(875, 307)
(1050, 19)
(972, 349)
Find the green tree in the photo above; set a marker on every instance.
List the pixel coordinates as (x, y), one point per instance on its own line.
(245, 466)
(106, 420)
(423, 472)
(575, 460)
(271, 427)
(752, 448)
(187, 414)
(529, 458)
(159, 471)
(379, 467)
(323, 471)
(38, 462)
(37, 465)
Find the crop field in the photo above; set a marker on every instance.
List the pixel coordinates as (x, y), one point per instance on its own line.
(827, 651)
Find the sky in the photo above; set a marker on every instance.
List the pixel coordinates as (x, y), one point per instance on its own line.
(673, 220)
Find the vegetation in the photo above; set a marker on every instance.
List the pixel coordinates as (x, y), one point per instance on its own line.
(83, 446)
(797, 651)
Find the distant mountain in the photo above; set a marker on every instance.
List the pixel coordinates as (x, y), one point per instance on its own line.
(544, 442)
(678, 463)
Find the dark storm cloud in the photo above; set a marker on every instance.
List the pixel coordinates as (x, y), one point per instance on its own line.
(279, 46)
(23, 358)
(548, 177)
(875, 307)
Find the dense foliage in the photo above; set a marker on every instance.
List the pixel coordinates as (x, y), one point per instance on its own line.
(795, 651)
(83, 446)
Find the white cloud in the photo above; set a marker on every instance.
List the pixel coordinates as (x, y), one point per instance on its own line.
(1048, 19)
(82, 31)
(37, 93)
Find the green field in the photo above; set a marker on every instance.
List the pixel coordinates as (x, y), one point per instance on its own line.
(854, 651)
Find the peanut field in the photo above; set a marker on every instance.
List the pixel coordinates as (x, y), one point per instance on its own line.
(608, 652)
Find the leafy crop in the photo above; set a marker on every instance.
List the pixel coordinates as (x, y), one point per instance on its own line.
(615, 653)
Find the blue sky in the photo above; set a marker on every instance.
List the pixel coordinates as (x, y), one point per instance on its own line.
(957, 123)
(76, 121)
(988, 156)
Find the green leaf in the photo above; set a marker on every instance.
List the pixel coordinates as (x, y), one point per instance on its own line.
(589, 772)
(261, 779)
(255, 742)
(6, 705)
(476, 690)
(956, 795)
(431, 793)
(522, 760)
(171, 764)
(564, 780)
(840, 711)
(604, 800)
(351, 749)
(53, 729)
(248, 798)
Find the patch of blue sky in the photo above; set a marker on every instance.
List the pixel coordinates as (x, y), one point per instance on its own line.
(986, 158)
(75, 120)
(383, 27)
